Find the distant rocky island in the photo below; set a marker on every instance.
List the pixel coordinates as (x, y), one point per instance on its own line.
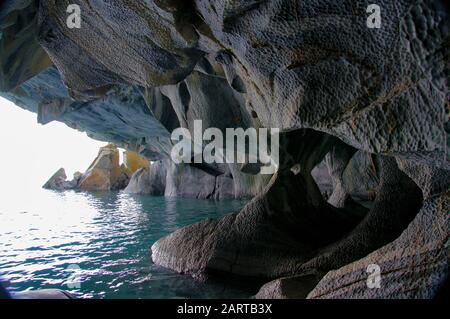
(359, 204)
(104, 174)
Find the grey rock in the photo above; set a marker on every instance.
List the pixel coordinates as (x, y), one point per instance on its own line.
(333, 86)
(151, 55)
(305, 67)
(415, 265)
(19, 42)
(57, 181)
(224, 187)
(43, 294)
(288, 288)
(322, 178)
(180, 181)
(268, 238)
(151, 181)
(121, 116)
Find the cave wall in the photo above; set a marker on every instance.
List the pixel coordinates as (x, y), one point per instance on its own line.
(363, 113)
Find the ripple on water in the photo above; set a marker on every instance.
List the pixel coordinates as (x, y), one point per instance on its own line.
(96, 245)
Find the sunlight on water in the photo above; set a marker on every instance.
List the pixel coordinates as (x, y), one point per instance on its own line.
(97, 245)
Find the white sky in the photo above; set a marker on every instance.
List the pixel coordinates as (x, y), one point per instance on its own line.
(30, 152)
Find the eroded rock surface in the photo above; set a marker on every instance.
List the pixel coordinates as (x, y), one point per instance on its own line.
(363, 113)
(21, 56)
(415, 265)
(148, 180)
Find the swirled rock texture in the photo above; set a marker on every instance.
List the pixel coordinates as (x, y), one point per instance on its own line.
(363, 173)
(21, 56)
(148, 180)
(417, 270)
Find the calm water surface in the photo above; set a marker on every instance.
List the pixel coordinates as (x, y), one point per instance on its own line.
(97, 245)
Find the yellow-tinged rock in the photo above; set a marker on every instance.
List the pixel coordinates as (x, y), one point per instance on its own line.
(105, 172)
(108, 158)
(134, 162)
(96, 180)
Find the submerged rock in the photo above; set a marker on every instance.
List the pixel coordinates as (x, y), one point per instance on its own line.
(43, 294)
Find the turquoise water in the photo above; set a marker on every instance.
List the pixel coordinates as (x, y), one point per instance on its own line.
(97, 245)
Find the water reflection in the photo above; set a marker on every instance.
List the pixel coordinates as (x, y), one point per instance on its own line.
(107, 236)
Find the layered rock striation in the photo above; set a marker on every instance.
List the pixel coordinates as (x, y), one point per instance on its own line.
(364, 171)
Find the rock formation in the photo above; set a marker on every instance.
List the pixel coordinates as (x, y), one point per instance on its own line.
(21, 56)
(133, 161)
(58, 181)
(363, 113)
(148, 180)
(104, 174)
(166, 178)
